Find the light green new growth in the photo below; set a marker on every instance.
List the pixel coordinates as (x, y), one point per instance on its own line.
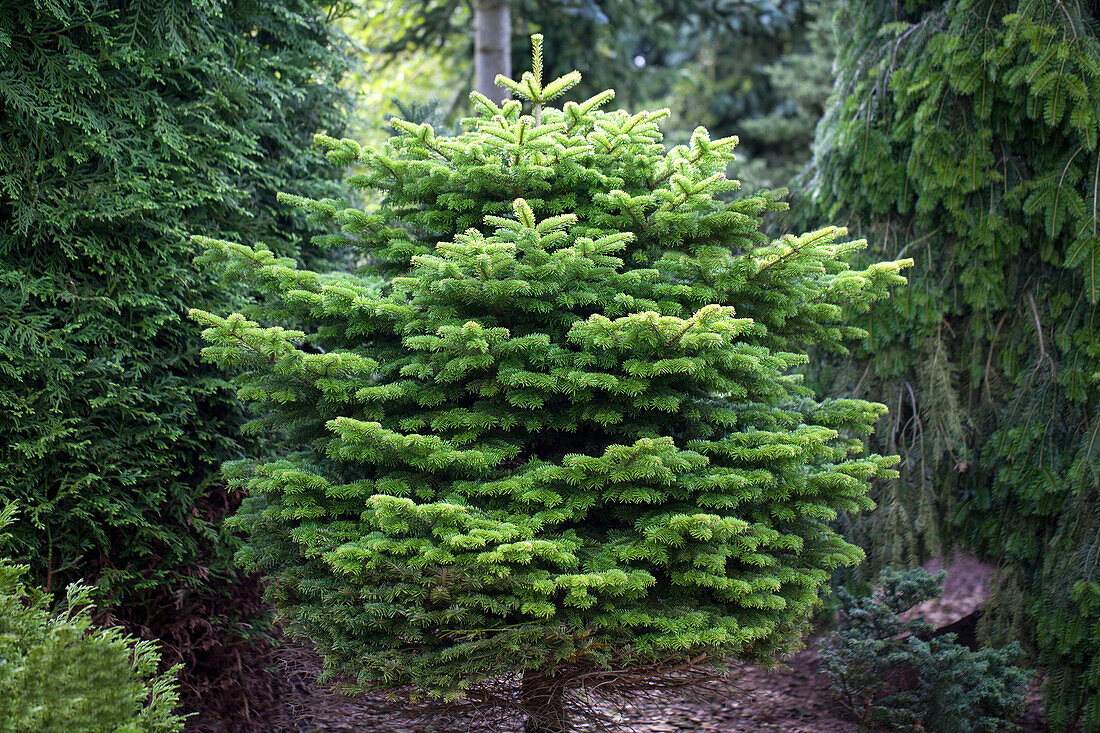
(555, 424)
(60, 674)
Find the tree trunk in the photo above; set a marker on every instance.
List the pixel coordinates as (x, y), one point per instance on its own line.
(492, 47)
(544, 704)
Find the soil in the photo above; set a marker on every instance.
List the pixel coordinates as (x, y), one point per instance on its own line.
(791, 698)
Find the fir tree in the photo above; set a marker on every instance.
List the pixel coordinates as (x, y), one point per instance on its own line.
(963, 133)
(124, 125)
(552, 437)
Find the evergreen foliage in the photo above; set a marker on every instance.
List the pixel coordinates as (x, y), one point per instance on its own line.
(604, 40)
(554, 426)
(58, 673)
(122, 126)
(963, 134)
(779, 134)
(889, 678)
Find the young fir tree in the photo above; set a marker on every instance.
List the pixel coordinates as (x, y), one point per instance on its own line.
(123, 127)
(552, 436)
(892, 673)
(964, 134)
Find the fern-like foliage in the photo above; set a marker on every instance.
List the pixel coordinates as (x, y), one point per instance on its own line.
(964, 134)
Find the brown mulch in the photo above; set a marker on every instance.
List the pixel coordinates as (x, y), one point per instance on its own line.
(791, 698)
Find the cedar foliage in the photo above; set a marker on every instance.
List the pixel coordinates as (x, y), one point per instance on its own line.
(123, 126)
(963, 134)
(554, 425)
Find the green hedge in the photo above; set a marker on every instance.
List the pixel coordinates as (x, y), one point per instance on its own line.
(123, 127)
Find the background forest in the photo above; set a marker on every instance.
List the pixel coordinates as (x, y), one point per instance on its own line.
(510, 403)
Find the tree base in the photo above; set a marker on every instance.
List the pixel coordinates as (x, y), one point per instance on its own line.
(544, 704)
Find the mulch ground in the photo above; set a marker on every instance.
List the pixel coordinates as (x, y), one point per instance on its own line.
(792, 698)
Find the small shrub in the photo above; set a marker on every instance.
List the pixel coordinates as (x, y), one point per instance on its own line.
(60, 673)
(888, 677)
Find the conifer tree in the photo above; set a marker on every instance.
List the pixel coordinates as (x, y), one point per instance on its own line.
(551, 438)
(123, 126)
(893, 673)
(963, 134)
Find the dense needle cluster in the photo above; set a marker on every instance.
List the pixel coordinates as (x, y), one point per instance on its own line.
(964, 134)
(554, 423)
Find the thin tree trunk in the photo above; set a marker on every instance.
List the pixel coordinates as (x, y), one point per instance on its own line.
(492, 47)
(544, 704)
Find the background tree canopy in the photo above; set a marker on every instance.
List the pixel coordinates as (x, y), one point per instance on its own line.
(719, 63)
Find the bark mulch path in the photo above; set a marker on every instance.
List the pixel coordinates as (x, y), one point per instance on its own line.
(791, 698)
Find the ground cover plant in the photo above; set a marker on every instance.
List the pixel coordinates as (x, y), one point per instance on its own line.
(551, 437)
(58, 672)
(964, 135)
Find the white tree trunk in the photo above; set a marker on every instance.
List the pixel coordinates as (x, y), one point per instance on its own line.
(492, 46)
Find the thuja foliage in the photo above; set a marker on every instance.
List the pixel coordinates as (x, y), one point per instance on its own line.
(60, 673)
(888, 677)
(554, 426)
(964, 134)
(123, 126)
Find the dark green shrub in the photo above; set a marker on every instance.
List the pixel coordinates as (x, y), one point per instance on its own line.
(123, 126)
(567, 441)
(889, 678)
